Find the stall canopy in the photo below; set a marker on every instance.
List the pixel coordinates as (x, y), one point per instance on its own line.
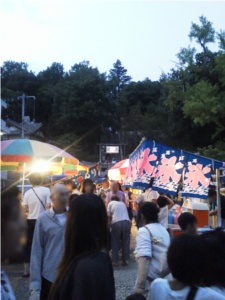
(167, 165)
(118, 171)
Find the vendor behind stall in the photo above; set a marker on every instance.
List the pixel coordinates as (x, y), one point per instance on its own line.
(212, 196)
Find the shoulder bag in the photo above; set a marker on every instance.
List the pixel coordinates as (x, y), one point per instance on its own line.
(163, 266)
(39, 199)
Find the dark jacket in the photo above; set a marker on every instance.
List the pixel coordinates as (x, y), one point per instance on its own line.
(90, 278)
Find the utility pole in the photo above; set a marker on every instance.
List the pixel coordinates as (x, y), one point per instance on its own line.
(23, 97)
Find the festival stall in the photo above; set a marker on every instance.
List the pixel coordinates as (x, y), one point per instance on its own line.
(174, 169)
(118, 171)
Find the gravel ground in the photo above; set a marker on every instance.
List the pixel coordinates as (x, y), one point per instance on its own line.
(124, 276)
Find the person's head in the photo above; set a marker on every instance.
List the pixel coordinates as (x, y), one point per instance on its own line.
(35, 179)
(71, 185)
(148, 213)
(212, 195)
(188, 223)
(13, 225)
(59, 195)
(162, 201)
(12, 191)
(88, 186)
(115, 198)
(105, 184)
(136, 297)
(72, 198)
(185, 259)
(214, 256)
(114, 187)
(86, 232)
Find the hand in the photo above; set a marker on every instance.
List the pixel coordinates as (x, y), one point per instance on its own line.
(34, 295)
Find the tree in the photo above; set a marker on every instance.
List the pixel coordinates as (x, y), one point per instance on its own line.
(221, 38)
(203, 34)
(118, 78)
(16, 80)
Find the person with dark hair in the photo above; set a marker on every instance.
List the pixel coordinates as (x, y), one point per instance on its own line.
(120, 230)
(152, 242)
(188, 223)
(48, 244)
(136, 297)
(214, 256)
(186, 262)
(13, 228)
(114, 190)
(72, 187)
(212, 196)
(36, 200)
(164, 203)
(88, 186)
(72, 198)
(85, 272)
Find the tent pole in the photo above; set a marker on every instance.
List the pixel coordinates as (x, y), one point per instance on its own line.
(24, 170)
(218, 197)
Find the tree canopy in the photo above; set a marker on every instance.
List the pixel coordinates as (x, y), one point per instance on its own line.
(184, 108)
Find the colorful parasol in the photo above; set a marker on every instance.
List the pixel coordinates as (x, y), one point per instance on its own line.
(28, 154)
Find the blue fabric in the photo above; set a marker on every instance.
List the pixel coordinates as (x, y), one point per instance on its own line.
(142, 164)
(197, 177)
(120, 233)
(169, 170)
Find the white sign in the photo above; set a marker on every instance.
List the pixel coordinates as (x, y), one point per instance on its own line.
(112, 149)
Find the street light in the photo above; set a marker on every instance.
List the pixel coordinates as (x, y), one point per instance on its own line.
(23, 97)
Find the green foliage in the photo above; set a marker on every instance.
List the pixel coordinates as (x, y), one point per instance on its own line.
(203, 33)
(184, 109)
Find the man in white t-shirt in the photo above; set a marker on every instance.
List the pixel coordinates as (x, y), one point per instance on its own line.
(35, 201)
(120, 231)
(148, 196)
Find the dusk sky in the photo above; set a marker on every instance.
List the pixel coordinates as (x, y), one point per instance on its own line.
(144, 35)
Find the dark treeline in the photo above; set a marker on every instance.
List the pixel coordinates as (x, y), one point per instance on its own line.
(184, 108)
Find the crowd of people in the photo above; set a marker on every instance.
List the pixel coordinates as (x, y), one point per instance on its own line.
(73, 238)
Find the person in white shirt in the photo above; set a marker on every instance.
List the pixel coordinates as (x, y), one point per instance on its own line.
(35, 201)
(165, 204)
(120, 231)
(152, 242)
(148, 196)
(186, 263)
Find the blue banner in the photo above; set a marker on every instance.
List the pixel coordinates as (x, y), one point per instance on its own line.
(197, 177)
(142, 164)
(169, 170)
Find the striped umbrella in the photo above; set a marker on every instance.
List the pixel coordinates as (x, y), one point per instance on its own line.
(118, 171)
(34, 154)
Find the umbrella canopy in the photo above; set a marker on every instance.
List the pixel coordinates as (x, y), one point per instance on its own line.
(118, 171)
(27, 150)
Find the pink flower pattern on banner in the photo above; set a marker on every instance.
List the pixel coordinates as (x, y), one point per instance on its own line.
(144, 162)
(196, 174)
(167, 170)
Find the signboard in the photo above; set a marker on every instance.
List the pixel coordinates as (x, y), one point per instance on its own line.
(112, 149)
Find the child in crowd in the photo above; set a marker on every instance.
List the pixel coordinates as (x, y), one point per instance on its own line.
(165, 204)
(188, 223)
